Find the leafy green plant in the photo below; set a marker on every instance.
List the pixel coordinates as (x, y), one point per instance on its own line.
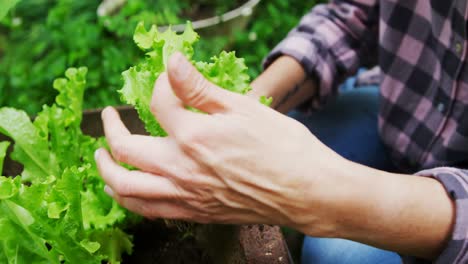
(39, 45)
(225, 70)
(270, 23)
(3, 150)
(6, 6)
(40, 39)
(161, 12)
(123, 22)
(56, 211)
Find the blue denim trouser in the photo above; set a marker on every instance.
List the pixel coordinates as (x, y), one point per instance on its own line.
(349, 127)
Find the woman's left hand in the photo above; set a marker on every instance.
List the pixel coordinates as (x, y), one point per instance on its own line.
(241, 162)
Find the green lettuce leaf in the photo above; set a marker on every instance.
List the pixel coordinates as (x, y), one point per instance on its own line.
(266, 100)
(139, 80)
(56, 209)
(225, 70)
(3, 149)
(30, 149)
(6, 5)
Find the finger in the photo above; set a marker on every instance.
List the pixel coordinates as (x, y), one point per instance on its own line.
(178, 210)
(169, 110)
(153, 154)
(139, 184)
(154, 209)
(118, 127)
(195, 90)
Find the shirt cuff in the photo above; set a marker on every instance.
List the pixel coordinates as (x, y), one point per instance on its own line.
(455, 182)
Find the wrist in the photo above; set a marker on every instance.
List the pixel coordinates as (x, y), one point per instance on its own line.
(408, 214)
(284, 72)
(328, 201)
(286, 82)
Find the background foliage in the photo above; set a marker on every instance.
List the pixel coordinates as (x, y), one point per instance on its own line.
(40, 39)
(6, 6)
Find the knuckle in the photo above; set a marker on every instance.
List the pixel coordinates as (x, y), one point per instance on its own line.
(153, 107)
(188, 139)
(197, 93)
(205, 207)
(203, 218)
(119, 199)
(222, 219)
(183, 137)
(146, 210)
(123, 189)
(205, 197)
(120, 150)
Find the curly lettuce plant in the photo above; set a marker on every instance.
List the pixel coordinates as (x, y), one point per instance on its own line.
(225, 70)
(55, 211)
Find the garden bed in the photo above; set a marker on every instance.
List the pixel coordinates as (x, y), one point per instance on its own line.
(156, 242)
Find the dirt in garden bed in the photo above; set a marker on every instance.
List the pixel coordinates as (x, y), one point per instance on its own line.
(154, 242)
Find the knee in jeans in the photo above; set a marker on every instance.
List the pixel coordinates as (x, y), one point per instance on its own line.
(327, 250)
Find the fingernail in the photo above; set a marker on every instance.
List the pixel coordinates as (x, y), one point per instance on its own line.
(109, 191)
(181, 66)
(97, 153)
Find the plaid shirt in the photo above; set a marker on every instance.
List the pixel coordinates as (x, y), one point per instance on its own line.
(421, 48)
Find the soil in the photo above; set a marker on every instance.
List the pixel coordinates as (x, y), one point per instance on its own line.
(154, 242)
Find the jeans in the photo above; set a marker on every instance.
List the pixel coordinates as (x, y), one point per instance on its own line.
(349, 127)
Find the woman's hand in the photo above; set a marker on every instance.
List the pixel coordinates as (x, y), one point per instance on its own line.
(245, 163)
(239, 163)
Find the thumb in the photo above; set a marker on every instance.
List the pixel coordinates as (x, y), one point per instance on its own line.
(194, 90)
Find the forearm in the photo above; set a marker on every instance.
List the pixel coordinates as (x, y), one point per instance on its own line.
(408, 214)
(286, 82)
(330, 42)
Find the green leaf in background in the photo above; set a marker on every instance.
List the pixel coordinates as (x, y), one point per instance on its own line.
(3, 149)
(30, 148)
(5, 6)
(56, 209)
(36, 47)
